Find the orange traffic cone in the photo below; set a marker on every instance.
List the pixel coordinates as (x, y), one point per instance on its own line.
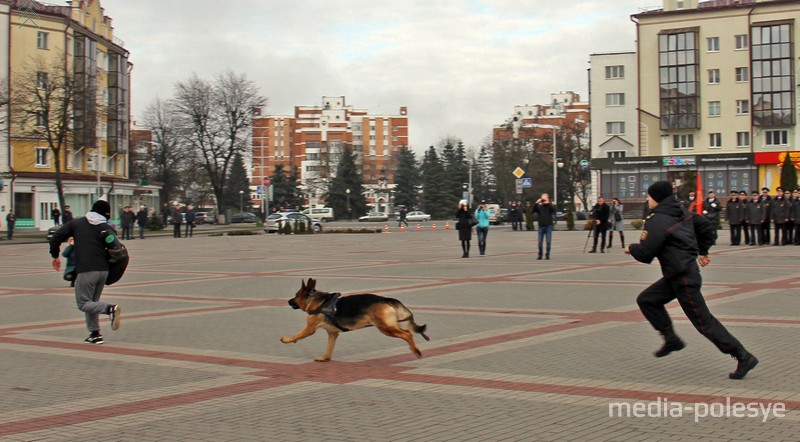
(434, 226)
(385, 227)
(447, 225)
(419, 226)
(402, 228)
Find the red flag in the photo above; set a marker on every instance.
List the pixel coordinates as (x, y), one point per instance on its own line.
(698, 194)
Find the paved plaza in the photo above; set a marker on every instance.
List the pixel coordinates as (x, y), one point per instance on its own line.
(520, 349)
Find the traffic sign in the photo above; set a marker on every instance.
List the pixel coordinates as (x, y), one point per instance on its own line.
(518, 185)
(527, 182)
(266, 181)
(584, 164)
(518, 172)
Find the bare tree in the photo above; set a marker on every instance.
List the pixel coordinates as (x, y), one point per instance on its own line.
(216, 117)
(167, 153)
(41, 108)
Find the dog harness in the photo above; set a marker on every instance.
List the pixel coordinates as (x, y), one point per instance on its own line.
(328, 308)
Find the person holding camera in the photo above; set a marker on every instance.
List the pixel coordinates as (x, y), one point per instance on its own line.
(482, 229)
(547, 214)
(464, 226)
(617, 224)
(600, 213)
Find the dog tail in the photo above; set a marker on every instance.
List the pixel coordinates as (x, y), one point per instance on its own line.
(416, 328)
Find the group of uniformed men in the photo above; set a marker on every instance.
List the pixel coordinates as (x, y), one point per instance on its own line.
(756, 216)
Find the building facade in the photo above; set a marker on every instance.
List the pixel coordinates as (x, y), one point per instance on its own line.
(311, 141)
(70, 53)
(717, 96)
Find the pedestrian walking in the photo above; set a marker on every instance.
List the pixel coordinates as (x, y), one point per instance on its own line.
(91, 266)
(680, 240)
(600, 213)
(464, 224)
(617, 222)
(546, 214)
(190, 221)
(401, 219)
(482, 228)
(11, 221)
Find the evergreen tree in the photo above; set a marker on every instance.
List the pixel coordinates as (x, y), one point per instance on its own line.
(435, 198)
(484, 182)
(285, 193)
(788, 174)
(407, 179)
(237, 182)
(348, 176)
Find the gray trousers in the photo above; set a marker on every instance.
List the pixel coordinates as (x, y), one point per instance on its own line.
(88, 288)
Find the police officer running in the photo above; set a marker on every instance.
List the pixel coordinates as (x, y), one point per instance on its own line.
(676, 237)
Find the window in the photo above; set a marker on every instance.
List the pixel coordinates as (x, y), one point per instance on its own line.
(678, 72)
(42, 157)
(742, 139)
(616, 154)
(613, 72)
(713, 44)
(41, 40)
(742, 107)
(715, 140)
(742, 74)
(685, 141)
(741, 41)
(40, 119)
(713, 76)
(772, 77)
(615, 128)
(615, 99)
(776, 137)
(714, 108)
(41, 80)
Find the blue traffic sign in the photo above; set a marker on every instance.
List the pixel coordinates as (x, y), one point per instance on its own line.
(527, 182)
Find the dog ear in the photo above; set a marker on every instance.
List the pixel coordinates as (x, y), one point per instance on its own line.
(312, 284)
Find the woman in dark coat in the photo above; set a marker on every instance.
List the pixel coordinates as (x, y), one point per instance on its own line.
(464, 226)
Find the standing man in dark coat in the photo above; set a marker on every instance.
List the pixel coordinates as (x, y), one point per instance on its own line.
(177, 220)
(141, 220)
(796, 215)
(680, 240)
(66, 215)
(190, 218)
(546, 211)
(55, 215)
(755, 215)
(733, 211)
(745, 203)
(779, 215)
(711, 210)
(91, 266)
(766, 204)
(600, 213)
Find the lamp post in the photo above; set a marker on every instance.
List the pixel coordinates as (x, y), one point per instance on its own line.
(241, 201)
(347, 191)
(97, 164)
(555, 168)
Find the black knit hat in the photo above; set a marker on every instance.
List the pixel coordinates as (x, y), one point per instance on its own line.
(659, 190)
(102, 207)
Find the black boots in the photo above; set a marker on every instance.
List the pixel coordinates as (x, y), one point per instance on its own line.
(671, 343)
(746, 363)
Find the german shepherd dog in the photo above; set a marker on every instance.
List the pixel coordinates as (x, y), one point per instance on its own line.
(335, 315)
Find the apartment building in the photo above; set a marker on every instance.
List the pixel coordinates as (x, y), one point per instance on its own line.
(717, 95)
(311, 141)
(73, 45)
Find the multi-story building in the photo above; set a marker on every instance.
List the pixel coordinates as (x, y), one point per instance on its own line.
(73, 46)
(717, 95)
(310, 142)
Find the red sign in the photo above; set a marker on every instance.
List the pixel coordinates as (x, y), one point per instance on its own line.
(776, 157)
(266, 182)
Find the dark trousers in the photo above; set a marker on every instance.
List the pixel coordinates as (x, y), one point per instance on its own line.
(736, 234)
(797, 233)
(778, 232)
(600, 230)
(788, 232)
(401, 222)
(176, 231)
(756, 235)
(189, 229)
(765, 232)
(746, 230)
(686, 288)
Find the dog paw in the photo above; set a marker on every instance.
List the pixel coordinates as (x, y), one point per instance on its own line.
(322, 359)
(286, 340)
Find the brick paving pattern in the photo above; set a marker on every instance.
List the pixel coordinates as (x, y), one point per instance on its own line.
(521, 349)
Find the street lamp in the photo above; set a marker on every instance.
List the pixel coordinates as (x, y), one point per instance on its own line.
(347, 191)
(555, 170)
(241, 201)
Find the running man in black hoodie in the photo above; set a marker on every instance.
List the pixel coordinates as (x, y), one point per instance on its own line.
(676, 237)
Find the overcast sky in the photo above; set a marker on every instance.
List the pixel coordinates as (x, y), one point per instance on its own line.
(460, 66)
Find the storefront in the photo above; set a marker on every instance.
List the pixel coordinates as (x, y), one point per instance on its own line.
(629, 178)
(770, 165)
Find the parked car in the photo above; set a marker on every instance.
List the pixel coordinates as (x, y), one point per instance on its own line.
(494, 214)
(205, 218)
(582, 215)
(324, 214)
(374, 216)
(276, 221)
(243, 217)
(183, 215)
(417, 216)
(503, 217)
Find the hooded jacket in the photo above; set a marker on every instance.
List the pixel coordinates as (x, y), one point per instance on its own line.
(90, 252)
(675, 236)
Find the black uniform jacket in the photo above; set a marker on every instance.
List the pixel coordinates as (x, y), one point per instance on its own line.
(675, 236)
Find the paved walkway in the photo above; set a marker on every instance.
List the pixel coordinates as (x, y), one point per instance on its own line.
(521, 349)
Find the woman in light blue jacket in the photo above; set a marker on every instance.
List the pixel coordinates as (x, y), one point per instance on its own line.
(482, 215)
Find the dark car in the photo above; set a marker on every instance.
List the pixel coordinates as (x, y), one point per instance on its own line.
(503, 217)
(243, 217)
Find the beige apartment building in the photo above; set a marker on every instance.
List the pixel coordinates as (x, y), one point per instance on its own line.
(717, 94)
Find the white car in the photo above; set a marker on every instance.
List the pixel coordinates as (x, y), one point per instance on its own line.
(374, 216)
(417, 217)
